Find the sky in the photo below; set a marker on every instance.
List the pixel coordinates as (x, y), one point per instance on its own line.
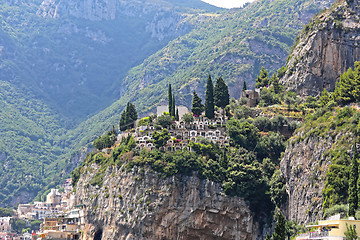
(227, 3)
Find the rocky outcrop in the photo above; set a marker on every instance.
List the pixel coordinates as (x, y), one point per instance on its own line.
(140, 204)
(327, 47)
(304, 166)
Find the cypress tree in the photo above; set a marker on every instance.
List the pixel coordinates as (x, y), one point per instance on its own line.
(197, 107)
(353, 181)
(276, 84)
(122, 124)
(173, 107)
(132, 113)
(170, 98)
(221, 93)
(177, 118)
(209, 99)
(244, 86)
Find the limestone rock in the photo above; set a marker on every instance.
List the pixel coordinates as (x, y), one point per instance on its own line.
(140, 204)
(326, 49)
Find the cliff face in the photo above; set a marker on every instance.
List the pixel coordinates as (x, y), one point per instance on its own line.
(139, 204)
(327, 47)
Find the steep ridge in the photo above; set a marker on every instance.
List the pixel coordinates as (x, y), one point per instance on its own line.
(327, 47)
(140, 204)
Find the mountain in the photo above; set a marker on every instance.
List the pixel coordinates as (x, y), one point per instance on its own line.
(56, 69)
(328, 46)
(74, 55)
(233, 45)
(75, 58)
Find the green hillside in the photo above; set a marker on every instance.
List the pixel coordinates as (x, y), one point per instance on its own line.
(234, 45)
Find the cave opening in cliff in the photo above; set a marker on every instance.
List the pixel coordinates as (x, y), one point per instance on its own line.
(98, 234)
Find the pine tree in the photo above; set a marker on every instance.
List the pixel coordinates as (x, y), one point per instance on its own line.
(173, 107)
(197, 107)
(170, 99)
(209, 99)
(280, 230)
(128, 117)
(244, 86)
(221, 93)
(353, 181)
(262, 79)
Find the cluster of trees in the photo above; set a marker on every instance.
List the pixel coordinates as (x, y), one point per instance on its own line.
(347, 90)
(106, 141)
(214, 96)
(128, 117)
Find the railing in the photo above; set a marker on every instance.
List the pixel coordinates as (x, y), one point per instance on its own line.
(319, 234)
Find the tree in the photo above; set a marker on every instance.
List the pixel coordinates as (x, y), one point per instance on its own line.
(350, 232)
(161, 138)
(262, 79)
(347, 90)
(188, 118)
(244, 86)
(243, 133)
(353, 180)
(209, 99)
(128, 117)
(324, 98)
(197, 107)
(276, 84)
(173, 107)
(221, 93)
(170, 98)
(280, 231)
(164, 120)
(177, 118)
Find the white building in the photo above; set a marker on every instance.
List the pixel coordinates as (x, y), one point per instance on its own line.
(5, 224)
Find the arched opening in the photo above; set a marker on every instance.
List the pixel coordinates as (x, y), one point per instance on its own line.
(98, 234)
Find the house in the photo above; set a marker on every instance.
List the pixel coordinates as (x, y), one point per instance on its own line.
(252, 97)
(330, 229)
(5, 224)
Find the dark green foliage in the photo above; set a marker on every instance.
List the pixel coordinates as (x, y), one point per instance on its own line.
(161, 138)
(311, 102)
(221, 93)
(268, 98)
(243, 133)
(276, 84)
(271, 146)
(170, 98)
(278, 189)
(280, 231)
(173, 107)
(6, 212)
(324, 98)
(209, 99)
(347, 89)
(19, 226)
(350, 232)
(128, 117)
(164, 120)
(262, 79)
(337, 209)
(177, 118)
(353, 181)
(244, 86)
(197, 107)
(105, 141)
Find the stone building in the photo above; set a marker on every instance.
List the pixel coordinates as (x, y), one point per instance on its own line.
(252, 97)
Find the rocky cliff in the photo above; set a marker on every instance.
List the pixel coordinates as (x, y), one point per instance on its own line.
(140, 204)
(315, 165)
(328, 46)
